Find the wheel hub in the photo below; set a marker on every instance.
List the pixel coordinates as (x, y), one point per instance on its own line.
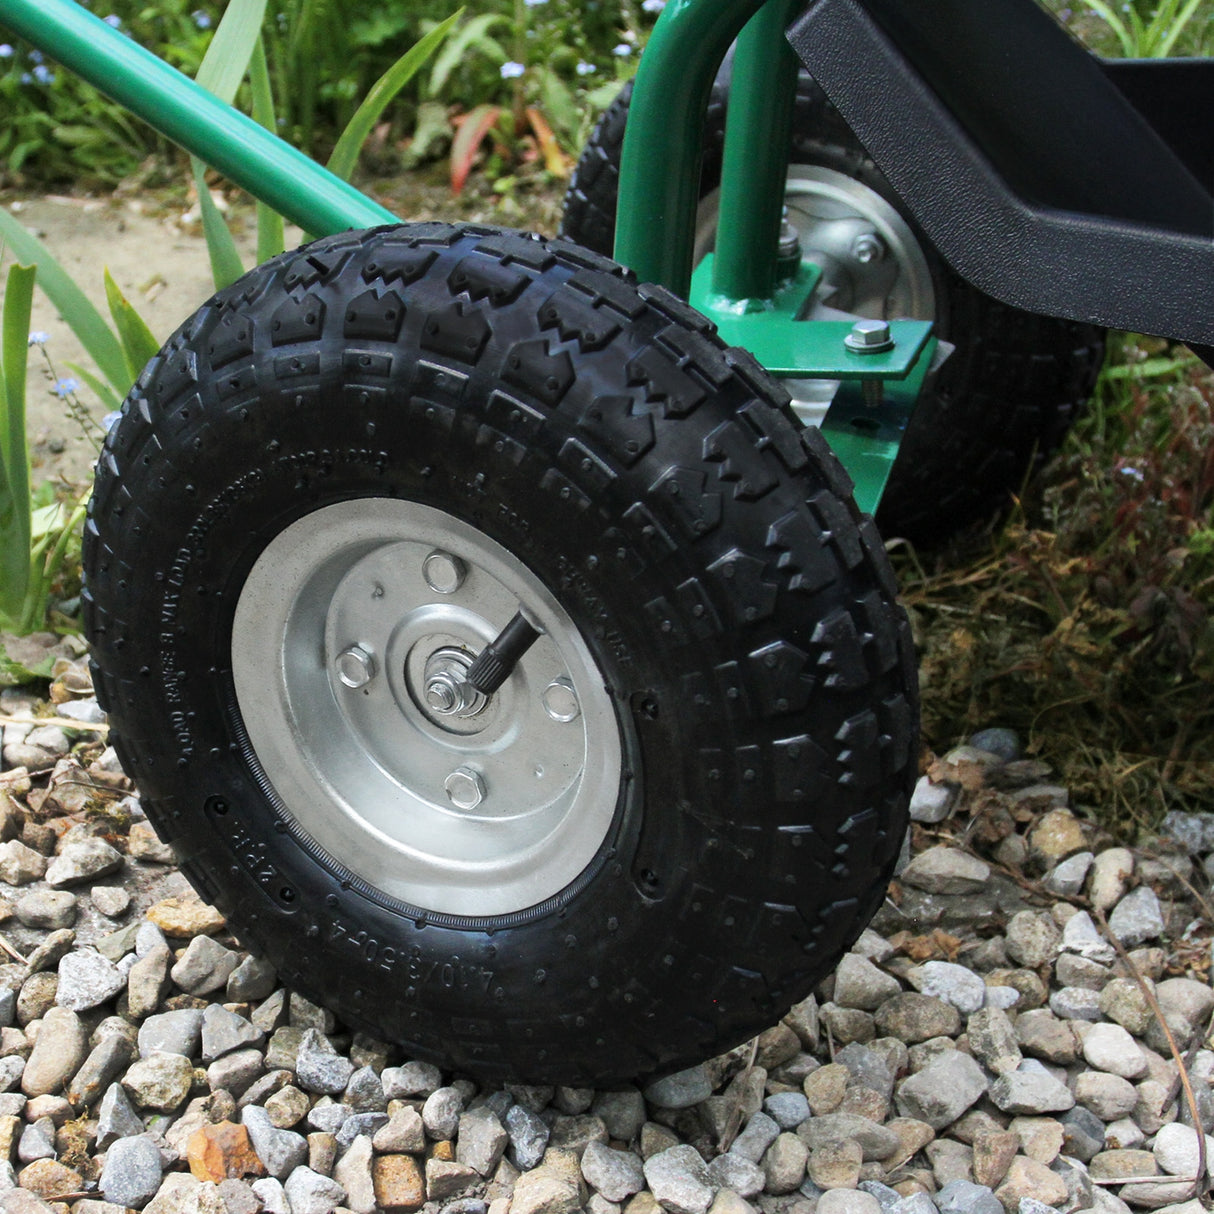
(352, 640)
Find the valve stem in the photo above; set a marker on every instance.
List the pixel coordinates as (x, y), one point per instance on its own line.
(495, 663)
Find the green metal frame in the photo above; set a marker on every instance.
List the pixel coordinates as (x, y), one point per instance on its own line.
(740, 286)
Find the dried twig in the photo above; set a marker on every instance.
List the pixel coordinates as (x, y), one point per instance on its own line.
(1183, 1070)
(62, 722)
(12, 952)
(734, 1122)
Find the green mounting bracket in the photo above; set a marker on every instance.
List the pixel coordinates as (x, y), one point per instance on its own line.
(791, 348)
(866, 437)
(864, 427)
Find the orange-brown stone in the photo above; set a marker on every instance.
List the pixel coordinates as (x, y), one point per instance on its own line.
(222, 1152)
(399, 1183)
(49, 1180)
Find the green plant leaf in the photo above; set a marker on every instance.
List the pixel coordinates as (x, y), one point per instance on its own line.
(70, 302)
(345, 154)
(138, 343)
(1179, 26)
(475, 31)
(1110, 18)
(14, 673)
(227, 59)
(476, 125)
(270, 238)
(223, 68)
(14, 473)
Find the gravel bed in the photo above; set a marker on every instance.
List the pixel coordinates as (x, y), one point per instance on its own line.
(983, 1048)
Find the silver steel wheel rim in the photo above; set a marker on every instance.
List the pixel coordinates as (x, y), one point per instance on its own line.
(831, 213)
(337, 629)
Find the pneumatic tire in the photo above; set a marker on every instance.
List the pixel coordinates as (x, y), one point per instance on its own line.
(335, 485)
(1006, 397)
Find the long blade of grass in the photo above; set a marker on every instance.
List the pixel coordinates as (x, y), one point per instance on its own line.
(1114, 22)
(222, 69)
(138, 344)
(70, 302)
(1179, 26)
(270, 238)
(475, 31)
(14, 472)
(345, 154)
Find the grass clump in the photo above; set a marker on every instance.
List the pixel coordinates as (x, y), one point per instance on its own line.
(1085, 623)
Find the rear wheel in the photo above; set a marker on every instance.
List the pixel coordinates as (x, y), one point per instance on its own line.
(1002, 402)
(680, 800)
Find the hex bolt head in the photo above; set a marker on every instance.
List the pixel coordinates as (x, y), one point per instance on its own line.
(443, 572)
(465, 788)
(441, 696)
(869, 337)
(560, 701)
(867, 248)
(355, 667)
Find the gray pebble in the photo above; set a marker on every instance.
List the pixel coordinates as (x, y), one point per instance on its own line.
(47, 908)
(251, 980)
(943, 1090)
(998, 741)
(280, 1150)
(87, 980)
(787, 1109)
(171, 1033)
(115, 1117)
(1075, 1003)
(965, 1197)
(133, 1171)
(617, 1175)
(205, 966)
(111, 900)
(224, 1031)
(365, 1092)
(37, 1141)
(237, 1071)
(760, 1132)
(1137, 918)
(308, 1192)
(328, 1118)
(367, 1124)
(931, 803)
(319, 1067)
(83, 860)
(528, 1135)
(679, 1179)
(440, 1113)
(412, 1079)
(681, 1090)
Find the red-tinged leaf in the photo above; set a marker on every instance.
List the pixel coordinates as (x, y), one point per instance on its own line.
(555, 160)
(473, 127)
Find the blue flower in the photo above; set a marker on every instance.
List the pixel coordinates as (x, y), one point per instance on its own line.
(512, 70)
(6, 51)
(65, 387)
(585, 69)
(26, 78)
(201, 20)
(113, 21)
(534, 3)
(43, 74)
(38, 338)
(621, 49)
(653, 6)
(35, 56)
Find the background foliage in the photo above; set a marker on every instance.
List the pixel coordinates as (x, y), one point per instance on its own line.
(323, 57)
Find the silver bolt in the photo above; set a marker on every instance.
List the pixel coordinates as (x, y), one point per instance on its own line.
(355, 667)
(465, 788)
(560, 701)
(443, 572)
(867, 248)
(869, 337)
(441, 696)
(790, 240)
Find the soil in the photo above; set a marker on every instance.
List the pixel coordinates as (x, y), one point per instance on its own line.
(153, 248)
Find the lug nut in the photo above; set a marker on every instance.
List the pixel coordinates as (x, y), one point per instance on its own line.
(355, 667)
(560, 701)
(441, 696)
(867, 248)
(465, 788)
(869, 337)
(443, 572)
